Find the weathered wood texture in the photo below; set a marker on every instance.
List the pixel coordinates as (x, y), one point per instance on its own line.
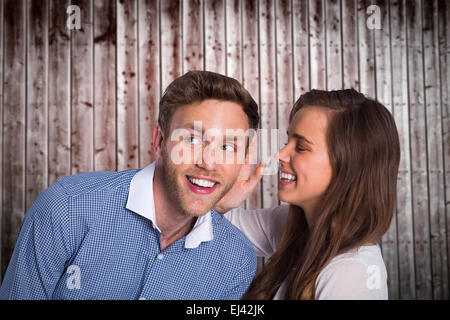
(76, 100)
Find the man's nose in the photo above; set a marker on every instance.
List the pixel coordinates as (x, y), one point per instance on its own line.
(209, 161)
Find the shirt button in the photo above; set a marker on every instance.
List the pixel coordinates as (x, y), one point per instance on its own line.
(160, 256)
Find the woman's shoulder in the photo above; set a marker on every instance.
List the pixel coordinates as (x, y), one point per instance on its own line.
(363, 254)
(357, 274)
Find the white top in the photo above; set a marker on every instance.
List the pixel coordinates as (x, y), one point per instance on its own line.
(359, 274)
(140, 200)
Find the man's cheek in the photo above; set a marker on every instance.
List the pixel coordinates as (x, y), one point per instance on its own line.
(179, 154)
(232, 174)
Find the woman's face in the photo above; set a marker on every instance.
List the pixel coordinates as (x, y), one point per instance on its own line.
(305, 169)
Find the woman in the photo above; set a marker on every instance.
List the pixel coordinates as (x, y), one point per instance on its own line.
(338, 173)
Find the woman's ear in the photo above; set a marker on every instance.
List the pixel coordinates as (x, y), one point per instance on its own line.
(158, 138)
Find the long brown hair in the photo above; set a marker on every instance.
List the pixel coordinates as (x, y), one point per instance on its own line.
(358, 204)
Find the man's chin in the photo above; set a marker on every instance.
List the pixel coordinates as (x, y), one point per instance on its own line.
(198, 205)
(194, 209)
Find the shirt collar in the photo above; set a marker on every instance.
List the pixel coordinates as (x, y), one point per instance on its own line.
(141, 201)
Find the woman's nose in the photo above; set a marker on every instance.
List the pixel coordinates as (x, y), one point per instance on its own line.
(283, 154)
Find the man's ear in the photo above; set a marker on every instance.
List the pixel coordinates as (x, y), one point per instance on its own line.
(158, 138)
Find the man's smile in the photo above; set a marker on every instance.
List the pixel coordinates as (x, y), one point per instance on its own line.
(201, 185)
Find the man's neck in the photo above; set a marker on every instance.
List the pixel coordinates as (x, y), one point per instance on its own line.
(171, 220)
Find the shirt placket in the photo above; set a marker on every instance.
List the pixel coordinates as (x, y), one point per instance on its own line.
(159, 264)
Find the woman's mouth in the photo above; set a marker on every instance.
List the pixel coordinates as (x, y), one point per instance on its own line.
(287, 178)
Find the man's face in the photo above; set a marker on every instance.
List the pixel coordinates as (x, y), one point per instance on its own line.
(210, 138)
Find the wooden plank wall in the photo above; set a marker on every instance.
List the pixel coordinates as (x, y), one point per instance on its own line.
(81, 100)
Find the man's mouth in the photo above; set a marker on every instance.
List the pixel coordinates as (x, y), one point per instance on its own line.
(201, 185)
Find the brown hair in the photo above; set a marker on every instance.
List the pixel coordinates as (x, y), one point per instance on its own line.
(197, 86)
(358, 204)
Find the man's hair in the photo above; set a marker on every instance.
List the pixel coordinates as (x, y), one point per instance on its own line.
(197, 86)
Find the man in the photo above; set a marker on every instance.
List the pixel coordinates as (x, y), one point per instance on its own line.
(150, 233)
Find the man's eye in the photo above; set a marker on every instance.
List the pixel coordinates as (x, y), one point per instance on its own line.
(227, 147)
(193, 140)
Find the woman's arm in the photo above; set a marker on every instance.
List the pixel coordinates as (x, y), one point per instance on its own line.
(263, 227)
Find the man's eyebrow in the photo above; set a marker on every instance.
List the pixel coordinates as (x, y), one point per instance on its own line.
(191, 126)
(234, 139)
(300, 137)
(230, 138)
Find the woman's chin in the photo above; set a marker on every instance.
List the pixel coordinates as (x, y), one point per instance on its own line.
(289, 198)
(284, 197)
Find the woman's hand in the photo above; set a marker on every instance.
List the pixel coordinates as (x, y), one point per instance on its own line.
(244, 185)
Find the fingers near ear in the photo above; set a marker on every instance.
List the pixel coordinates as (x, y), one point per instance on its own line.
(257, 175)
(252, 153)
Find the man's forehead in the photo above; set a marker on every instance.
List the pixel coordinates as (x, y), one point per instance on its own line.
(210, 108)
(199, 127)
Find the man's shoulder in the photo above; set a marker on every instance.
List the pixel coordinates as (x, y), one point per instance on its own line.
(56, 197)
(87, 182)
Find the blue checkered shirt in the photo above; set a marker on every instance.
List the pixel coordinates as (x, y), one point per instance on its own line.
(80, 240)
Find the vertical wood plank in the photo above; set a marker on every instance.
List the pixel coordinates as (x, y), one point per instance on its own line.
(171, 64)
(250, 79)
(149, 80)
(420, 191)
(250, 74)
(59, 65)
(82, 91)
(193, 45)
(36, 155)
(250, 51)
(382, 39)
(334, 46)
(300, 31)
(284, 90)
(233, 52)
(127, 73)
(384, 95)
(14, 124)
(105, 85)
(366, 51)
(401, 114)
(215, 36)
(268, 95)
(444, 52)
(435, 172)
(1, 136)
(350, 44)
(317, 48)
